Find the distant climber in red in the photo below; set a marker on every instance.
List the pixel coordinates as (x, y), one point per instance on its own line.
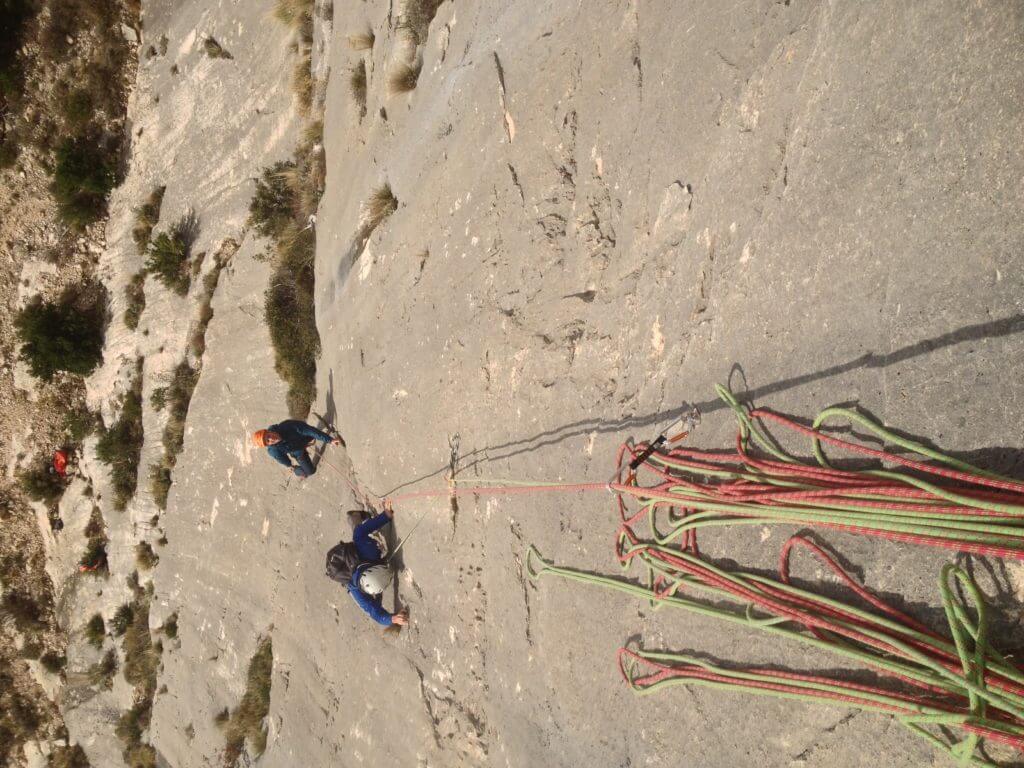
(60, 462)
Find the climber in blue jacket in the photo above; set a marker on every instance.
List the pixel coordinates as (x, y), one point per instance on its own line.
(371, 574)
(289, 440)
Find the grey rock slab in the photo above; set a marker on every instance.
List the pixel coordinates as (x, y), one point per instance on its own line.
(816, 202)
(836, 245)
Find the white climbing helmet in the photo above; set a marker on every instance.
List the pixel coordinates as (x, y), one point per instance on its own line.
(375, 579)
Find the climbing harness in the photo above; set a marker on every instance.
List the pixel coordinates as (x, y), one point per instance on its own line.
(676, 431)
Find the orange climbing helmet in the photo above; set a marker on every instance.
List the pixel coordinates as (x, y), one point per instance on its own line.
(259, 438)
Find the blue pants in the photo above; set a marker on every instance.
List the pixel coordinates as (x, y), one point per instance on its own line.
(305, 467)
(367, 548)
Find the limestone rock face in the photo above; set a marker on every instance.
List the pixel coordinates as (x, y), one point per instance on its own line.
(602, 210)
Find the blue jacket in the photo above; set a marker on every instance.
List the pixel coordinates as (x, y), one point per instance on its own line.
(295, 437)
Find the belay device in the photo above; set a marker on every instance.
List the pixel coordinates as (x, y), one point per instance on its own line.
(675, 432)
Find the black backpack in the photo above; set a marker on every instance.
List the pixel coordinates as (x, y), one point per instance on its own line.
(342, 561)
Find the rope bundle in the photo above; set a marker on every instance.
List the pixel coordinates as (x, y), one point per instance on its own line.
(925, 679)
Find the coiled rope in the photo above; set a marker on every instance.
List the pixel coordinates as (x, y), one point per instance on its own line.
(926, 680)
(947, 503)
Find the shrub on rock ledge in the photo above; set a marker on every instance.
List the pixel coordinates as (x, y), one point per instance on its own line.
(65, 335)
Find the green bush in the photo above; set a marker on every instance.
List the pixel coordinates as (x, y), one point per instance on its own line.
(95, 556)
(9, 151)
(291, 320)
(273, 205)
(121, 446)
(83, 176)
(78, 108)
(168, 261)
(285, 195)
(66, 335)
(79, 423)
(25, 610)
(135, 294)
(15, 16)
(145, 557)
(122, 619)
(171, 626)
(158, 399)
(32, 649)
(69, 757)
(40, 484)
(160, 483)
(53, 662)
(96, 630)
(102, 673)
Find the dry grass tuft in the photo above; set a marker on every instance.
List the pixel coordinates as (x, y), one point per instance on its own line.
(215, 50)
(120, 446)
(177, 397)
(171, 626)
(382, 203)
(357, 85)
(362, 41)
(68, 757)
(145, 557)
(403, 77)
(102, 673)
(293, 12)
(415, 17)
(147, 216)
(141, 665)
(245, 723)
(141, 659)
(135, 295)
(303, 84)
(287, 194)
(313, 133)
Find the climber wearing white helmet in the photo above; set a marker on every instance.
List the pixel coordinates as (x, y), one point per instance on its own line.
(359, 565)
